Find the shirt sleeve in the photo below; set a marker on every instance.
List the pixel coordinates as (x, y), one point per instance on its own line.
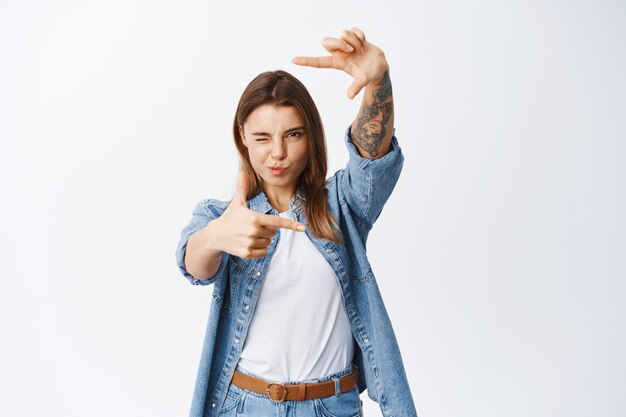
(368, 183)
(200, 217)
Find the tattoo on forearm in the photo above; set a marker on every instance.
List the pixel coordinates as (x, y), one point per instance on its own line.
(371, 125)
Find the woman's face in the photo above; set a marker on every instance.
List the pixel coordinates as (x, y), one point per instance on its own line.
(277, 145)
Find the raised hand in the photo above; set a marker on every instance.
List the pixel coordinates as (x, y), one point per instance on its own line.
(351, 53)
(243, 232)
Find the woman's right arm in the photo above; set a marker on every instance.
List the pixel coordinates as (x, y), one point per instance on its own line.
(202, 258)
(238, 231)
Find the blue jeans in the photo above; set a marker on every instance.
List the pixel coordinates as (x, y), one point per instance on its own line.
(243, 403)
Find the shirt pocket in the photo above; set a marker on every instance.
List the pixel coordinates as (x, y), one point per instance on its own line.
(362, 276)
(225, 290)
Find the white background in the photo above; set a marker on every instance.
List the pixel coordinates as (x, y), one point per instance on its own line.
(507, 226)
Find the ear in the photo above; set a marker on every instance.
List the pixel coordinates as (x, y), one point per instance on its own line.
(243, 138)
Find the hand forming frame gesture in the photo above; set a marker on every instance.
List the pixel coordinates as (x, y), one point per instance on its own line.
(351, 53)
(373, 128)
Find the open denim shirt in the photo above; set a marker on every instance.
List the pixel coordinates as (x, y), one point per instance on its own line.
(356, 196)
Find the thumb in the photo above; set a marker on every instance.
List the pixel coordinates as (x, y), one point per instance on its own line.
(241, 191)
(356, 86)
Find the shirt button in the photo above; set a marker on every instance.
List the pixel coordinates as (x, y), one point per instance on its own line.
(246, 306)
(213, 405)
(236, 340)
(366, 340)
(329, 250)
(258, 273)
(227, 373)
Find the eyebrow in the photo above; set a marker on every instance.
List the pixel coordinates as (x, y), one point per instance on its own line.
(286, 131)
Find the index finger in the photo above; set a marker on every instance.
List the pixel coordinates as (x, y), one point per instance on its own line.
(268, 220)
(314, 61)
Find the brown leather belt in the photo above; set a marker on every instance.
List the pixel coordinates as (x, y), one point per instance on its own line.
(279, 392)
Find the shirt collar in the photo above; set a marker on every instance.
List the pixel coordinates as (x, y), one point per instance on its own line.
(260, 203)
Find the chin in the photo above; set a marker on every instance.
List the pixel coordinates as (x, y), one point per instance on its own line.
(278, 182)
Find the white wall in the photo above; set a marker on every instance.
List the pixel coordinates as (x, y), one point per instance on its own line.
(115, 120)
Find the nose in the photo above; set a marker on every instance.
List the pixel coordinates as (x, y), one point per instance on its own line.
(279, 150)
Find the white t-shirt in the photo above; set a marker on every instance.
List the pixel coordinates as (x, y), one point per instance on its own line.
(299, 328)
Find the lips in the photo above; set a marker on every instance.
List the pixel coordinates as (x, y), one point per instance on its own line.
(277, 170)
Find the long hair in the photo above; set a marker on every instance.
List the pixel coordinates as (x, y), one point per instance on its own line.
(283, 89)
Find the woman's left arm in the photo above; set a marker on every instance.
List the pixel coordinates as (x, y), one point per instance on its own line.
(372, 130)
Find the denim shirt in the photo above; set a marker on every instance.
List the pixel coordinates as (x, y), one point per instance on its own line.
(356, 196)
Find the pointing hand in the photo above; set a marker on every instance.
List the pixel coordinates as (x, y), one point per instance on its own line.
(243, 232)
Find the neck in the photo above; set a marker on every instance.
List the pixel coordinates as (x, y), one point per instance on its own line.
(279, 199)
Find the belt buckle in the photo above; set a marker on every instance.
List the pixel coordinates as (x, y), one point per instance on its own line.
(270, 395)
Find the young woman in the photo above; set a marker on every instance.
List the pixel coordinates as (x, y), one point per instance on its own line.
(297, 325)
